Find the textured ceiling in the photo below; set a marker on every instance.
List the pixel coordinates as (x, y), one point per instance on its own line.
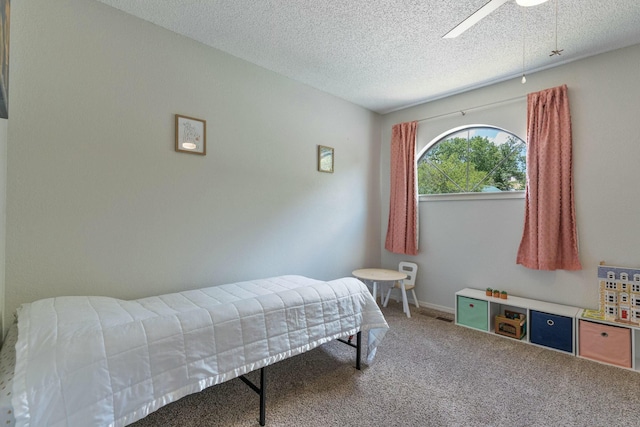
(388, 54)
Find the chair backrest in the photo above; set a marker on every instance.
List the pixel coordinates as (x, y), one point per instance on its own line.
(411, 270)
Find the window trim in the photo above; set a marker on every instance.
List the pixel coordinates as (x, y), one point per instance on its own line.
(471, 196)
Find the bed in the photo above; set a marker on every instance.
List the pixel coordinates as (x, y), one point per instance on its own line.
(98, 361)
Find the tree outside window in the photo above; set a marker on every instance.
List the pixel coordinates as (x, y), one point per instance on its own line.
(472, 160)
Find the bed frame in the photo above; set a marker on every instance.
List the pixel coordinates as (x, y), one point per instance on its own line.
(262, 391)
(276, 318)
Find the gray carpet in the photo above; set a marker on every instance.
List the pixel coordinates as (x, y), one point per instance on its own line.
(428, 372)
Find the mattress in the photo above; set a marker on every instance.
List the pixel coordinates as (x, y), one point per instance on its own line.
(97, 361)
(7, 367)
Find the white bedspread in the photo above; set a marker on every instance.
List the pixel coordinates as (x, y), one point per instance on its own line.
(97, 361)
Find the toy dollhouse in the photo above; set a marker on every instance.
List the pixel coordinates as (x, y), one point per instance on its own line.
(619, 293)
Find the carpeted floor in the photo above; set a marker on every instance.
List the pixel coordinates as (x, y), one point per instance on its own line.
(428, 372)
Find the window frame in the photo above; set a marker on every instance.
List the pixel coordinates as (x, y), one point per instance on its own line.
(501, 195)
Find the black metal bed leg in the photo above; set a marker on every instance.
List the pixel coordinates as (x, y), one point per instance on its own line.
(262, 392)
(358, 348)
(263, 397)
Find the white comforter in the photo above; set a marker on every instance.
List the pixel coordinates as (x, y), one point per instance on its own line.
(97, 361)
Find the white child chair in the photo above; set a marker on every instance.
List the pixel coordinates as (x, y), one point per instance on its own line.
(411, 270)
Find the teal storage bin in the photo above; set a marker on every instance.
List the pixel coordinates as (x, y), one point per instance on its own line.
(473, 313)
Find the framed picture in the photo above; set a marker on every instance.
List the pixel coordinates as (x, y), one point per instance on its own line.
(325, 159)
(191, 135)
(5, 6)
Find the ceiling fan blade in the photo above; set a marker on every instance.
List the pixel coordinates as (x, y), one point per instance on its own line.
(474, 18)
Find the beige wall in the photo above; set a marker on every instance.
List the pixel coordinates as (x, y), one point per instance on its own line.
(98, 201)
(474, 243)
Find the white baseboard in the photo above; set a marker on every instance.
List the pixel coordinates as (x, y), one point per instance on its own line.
(423, 304)
(429, 305)
(436, 307)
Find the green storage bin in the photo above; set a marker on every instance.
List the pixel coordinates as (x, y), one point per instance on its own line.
(473, 313)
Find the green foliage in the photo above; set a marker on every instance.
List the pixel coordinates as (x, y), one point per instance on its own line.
(460, 165)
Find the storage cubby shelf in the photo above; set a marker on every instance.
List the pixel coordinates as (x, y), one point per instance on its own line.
(549, 325)
(556, 327)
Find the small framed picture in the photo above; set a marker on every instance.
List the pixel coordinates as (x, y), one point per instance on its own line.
(325, 159)
(191, 135)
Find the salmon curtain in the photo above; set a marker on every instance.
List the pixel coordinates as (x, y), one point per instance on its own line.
(549, 240)
(402, 230)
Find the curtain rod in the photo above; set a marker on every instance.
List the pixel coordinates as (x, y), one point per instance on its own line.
(463, 112)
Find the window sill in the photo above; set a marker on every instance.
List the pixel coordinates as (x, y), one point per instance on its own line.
(471, 196)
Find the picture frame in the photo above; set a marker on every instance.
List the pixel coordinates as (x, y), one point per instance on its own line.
(191, 135)
(325, 159)
(5, 11)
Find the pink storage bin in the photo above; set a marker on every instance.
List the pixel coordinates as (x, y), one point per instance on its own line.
(605, 343)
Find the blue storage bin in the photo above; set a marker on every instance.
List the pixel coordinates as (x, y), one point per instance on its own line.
(551, 330)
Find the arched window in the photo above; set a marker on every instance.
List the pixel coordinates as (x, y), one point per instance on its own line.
(473, 159)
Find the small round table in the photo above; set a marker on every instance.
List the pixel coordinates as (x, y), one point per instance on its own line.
(378, 275)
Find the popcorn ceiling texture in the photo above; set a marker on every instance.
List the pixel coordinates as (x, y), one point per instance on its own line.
(389, 54)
